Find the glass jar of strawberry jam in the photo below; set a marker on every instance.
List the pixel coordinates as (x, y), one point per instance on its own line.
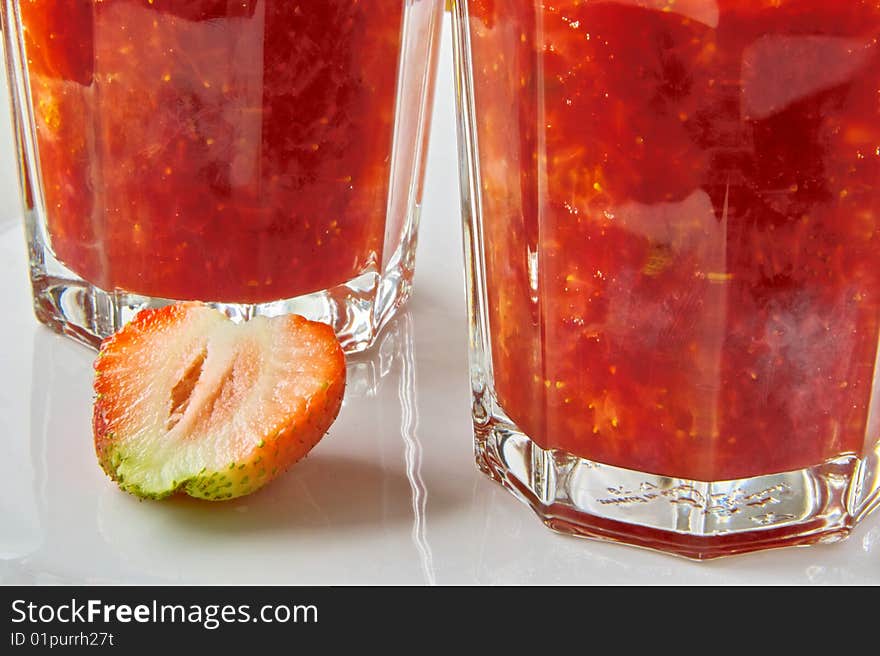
(674, 239)
(262, 155)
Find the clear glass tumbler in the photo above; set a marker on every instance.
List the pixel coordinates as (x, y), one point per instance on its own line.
(672, 226)
(262, 155)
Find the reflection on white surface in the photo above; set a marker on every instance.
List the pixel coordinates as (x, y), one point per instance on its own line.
(62, 461)
(21, 532)
(871, 539)
(409, 423)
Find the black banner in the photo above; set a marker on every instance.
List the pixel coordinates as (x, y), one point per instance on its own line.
(248, 619)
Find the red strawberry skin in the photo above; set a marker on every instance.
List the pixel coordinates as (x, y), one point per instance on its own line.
(165, 421)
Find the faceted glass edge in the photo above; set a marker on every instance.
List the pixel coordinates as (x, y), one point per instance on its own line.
(690, 518)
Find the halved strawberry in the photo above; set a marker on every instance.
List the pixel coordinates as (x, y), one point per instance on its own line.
(188, 401)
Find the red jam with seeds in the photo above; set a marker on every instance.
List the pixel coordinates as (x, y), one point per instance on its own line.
(214, 150)
(682, 202)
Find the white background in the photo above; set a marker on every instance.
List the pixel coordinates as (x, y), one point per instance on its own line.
(390, 496)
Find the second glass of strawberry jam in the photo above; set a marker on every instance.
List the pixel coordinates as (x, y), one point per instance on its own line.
(676, 264)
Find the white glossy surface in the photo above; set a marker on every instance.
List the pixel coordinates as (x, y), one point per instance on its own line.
(390, 496)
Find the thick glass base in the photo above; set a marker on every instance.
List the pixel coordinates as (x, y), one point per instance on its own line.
(357, 309)
(694, 519)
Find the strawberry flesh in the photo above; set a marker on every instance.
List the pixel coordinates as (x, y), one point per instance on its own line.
(188, 401)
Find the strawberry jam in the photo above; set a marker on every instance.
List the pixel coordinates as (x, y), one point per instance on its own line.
(680, 202)
(210, 149)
